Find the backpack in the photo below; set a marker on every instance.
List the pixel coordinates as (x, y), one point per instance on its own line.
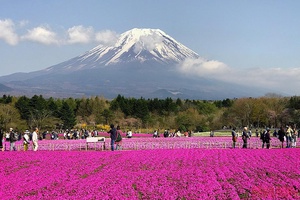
(119, 137)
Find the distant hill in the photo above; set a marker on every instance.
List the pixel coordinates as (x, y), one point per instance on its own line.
(4, 88)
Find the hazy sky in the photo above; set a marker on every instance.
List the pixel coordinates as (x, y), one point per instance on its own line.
(261, 37)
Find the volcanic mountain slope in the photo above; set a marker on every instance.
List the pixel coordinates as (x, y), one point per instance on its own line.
(4, 88)
(135, 46)
(142, 63)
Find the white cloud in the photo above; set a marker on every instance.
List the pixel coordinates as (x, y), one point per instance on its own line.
(7, 32)
(149, 42)
(41, 35)
(201, 67)
(45, 35)
(275, 79)
(106, 37)
(286, 79)
(80, 34)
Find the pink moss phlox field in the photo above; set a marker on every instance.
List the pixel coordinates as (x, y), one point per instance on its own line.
(151, 174)
(147, 143)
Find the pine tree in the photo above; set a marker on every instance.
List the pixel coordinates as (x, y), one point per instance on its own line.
(67, 115)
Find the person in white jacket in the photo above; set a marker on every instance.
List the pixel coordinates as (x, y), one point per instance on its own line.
(129, 134)
(26, 140)
(35, 139)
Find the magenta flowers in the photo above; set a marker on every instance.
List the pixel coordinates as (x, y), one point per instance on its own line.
(151, 174)
(149, 143)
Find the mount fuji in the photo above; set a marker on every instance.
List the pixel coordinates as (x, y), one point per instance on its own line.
(141, 63)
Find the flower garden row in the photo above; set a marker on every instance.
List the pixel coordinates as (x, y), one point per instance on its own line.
(151, 174)
(144, 143)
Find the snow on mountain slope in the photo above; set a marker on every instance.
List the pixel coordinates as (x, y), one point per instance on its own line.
(136, 45)
(160, 45)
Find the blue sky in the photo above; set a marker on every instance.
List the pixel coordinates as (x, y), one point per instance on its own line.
(259, 37)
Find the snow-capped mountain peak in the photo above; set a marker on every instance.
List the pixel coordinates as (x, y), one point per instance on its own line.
(135, 45)
(161, 46)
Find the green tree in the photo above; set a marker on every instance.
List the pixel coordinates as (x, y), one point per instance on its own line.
(82, 110)
(170, 105)
(98, 105)
(179, 102)
(67, 116)
(53, 106)
(38, 103)
(107, 115)
(141, 110)
(6, 99)
(188, 119)
(117, 103)
(40, 118)
(10, 117)
(23, 106)
(206, 108)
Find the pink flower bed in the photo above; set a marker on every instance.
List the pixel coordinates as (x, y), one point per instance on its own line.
(144, 143)
(151, 174)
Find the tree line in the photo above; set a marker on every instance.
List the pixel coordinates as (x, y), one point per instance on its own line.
(147, 114)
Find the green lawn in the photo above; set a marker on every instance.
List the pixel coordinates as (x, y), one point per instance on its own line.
(218, 133)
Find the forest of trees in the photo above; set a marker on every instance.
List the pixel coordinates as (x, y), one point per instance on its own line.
(147, 114)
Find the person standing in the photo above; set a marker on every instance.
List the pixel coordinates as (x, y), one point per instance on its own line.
(118, 139)
(212, 133)
(234, 137)
(294, 138)
(266, 137)
(281, 136)
(289, 133)
(113, 136)
(35, 139)
(1, 140)
(262, 138)
(178, 133)
(129, 134)
(245, 136)
(26, 140)
(166, 133)
(155, 134)
(7, 136)
(13, 137)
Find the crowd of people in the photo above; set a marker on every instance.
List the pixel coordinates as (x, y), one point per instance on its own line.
(13, 136)
(288, 135)
(116, 138)
(168, 133)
